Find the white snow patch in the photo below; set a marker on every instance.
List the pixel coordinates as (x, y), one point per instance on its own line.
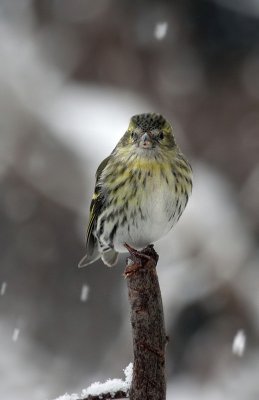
(128, 371)
(3, 288)
(160, 30)
(16, 333)
(239, 343)
(84, 293)
(111, 385)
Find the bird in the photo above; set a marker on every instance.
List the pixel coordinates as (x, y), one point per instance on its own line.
(141, 190)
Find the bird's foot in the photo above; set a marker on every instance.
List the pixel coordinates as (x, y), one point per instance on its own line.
(139, 258)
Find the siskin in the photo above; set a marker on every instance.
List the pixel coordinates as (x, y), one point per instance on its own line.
(141, 190)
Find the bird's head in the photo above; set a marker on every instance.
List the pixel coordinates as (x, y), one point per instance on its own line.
(148, 133)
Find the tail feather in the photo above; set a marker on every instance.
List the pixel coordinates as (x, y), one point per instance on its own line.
(110, 257)
(89, 259)
(92, 252)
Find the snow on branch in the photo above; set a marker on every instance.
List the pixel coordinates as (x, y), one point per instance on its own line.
(111, 389)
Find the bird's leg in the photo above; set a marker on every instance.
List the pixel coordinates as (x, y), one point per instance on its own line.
(150, 252)
(136, 254)
(147, 253)
(140, 257)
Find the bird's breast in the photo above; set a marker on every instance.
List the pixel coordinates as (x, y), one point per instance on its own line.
(150, 206)
(144, 200)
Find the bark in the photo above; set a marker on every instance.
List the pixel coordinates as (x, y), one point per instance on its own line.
(147, 320)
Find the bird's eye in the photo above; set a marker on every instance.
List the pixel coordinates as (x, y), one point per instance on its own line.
(133, 135)
(161, 135)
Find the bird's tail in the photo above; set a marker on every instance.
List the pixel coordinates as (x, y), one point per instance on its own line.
(89, 259)
(110, 257)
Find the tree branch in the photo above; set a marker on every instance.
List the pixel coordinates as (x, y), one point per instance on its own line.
(148, 331)
(147, 320)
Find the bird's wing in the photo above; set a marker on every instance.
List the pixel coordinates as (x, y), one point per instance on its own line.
(95, 208)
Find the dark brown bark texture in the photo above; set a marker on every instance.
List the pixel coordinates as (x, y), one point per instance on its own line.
(148, 331)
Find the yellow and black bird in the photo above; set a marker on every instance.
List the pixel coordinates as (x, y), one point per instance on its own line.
(141, 190)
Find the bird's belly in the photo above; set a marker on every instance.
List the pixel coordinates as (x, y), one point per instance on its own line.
(139, 236)
(148, 220)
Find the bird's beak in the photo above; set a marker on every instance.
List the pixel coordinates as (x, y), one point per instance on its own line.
(145, 141)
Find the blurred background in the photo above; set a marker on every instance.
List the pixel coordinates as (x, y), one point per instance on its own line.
(72, 73)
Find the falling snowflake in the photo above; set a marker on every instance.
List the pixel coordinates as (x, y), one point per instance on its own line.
(3, 288)
(239, 343)
(160, 30)
(16, 333)
(84, 293)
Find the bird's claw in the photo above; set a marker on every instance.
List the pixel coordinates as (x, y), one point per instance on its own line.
(139, 258)
(136, 254)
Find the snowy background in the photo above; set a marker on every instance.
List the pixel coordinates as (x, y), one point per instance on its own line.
(72, 73)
